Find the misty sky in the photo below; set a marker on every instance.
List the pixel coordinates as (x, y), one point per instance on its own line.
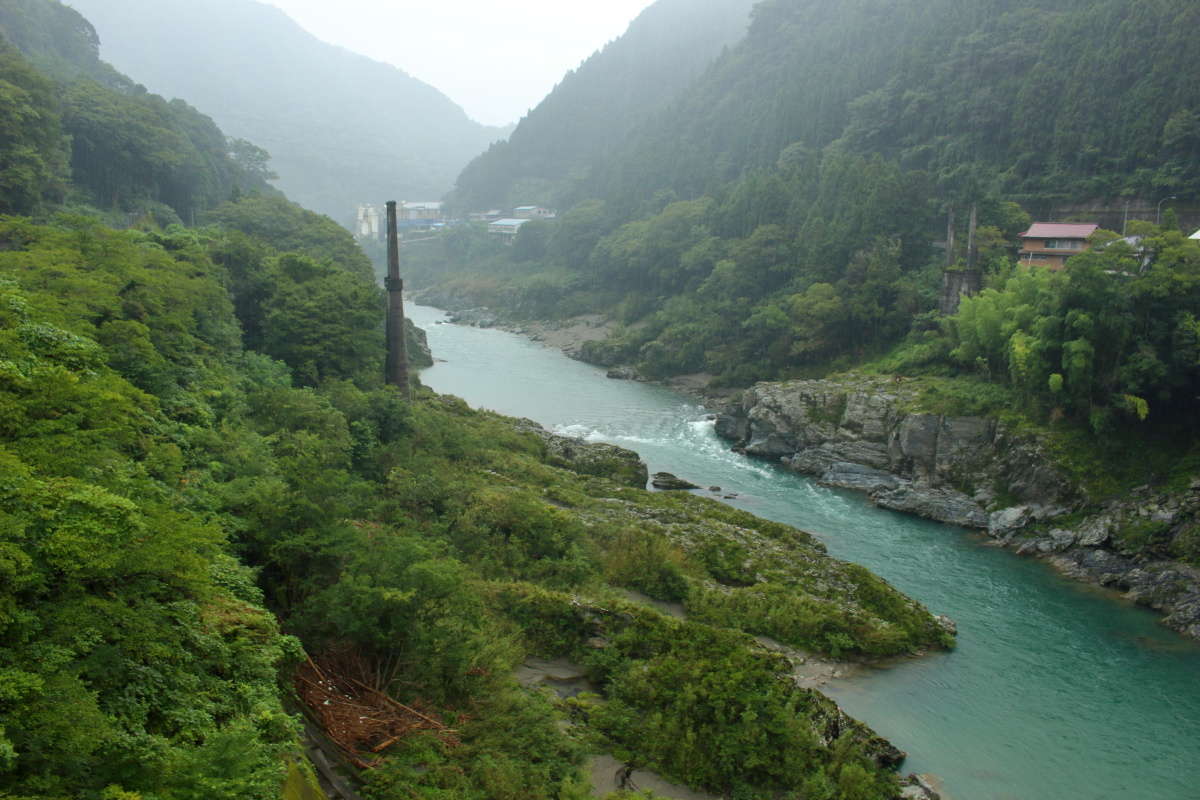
(495, 59)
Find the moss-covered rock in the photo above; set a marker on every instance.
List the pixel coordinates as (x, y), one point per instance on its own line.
(590, 458)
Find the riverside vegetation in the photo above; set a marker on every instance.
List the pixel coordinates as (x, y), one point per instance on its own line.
(776, 220)
(204, 480)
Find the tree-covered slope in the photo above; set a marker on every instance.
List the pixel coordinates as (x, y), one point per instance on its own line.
(128, 151)
(172, 499)
(1048, 99)
(205, 484)
(782, 214)
(559, 143)
(341, 128)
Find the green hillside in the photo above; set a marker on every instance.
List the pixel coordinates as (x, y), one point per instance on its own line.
(125, 151)
(213, 514)
(1042, 100)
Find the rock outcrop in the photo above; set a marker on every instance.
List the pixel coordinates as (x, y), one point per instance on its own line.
(419, 354)
(867, 435)
(870, 435)
(1129, 545)
(668, 482)
(590, 458)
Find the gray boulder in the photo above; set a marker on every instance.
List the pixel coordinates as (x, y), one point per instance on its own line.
(846, 475)
(943, 505)
(732, 428)
(1007, 521)
(772, 445)
(1095, 531)
(669, 482)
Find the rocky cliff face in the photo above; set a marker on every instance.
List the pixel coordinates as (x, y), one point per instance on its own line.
(864, 434)
(869, 434)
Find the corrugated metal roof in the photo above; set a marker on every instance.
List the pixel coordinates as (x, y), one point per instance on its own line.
(1060, 230)
(511, 221)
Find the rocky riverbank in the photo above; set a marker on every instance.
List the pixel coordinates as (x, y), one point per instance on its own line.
(568, 335)
(870, 434)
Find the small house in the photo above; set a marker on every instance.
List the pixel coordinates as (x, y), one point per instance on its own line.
(533, 212)
(1050, 244)
(507, 228)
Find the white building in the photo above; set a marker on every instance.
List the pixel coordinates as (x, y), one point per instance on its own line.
(1195, 236)
(508, 228)
(413, 211)
(366, 224)
(533, 212)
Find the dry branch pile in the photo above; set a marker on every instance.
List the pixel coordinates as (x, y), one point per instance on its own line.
(360, 719)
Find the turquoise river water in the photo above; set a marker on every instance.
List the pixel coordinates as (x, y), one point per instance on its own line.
(1056, 691)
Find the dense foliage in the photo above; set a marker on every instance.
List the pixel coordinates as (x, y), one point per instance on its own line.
(32, 150)
(1112, 339)
(204, 480)
(1048, 100)
(144, 449)
(128, 150)
(780, 217)
(827, 256)
(134, 651)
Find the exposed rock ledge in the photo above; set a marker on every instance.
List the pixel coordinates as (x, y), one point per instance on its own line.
(590, 458)
(868, 434)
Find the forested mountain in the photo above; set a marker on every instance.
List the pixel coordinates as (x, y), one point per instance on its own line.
(341, 129)
(126, 151)
(555, 148)
(1044, 100)
(780, 216)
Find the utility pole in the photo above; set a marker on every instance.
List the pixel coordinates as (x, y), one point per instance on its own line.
(950, 238)
(971, 236)
(1158, 211)
(397, 344)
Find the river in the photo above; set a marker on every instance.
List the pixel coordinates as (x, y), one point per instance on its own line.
(1056, 691)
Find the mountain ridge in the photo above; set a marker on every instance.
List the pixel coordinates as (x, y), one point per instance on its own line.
(559, 143)
(318, 108)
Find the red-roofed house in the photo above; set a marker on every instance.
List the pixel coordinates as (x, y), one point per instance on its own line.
(1050, 244)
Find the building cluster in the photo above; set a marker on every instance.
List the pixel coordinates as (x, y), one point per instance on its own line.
(509, 227)
(1045, 244)
(410, 215)
(426, 215)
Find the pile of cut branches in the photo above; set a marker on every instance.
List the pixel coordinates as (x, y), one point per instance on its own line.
(360, 719)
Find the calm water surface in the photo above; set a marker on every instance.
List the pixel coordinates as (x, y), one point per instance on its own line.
(1056, 691)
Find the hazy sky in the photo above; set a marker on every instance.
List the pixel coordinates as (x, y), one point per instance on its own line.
(495, 59)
